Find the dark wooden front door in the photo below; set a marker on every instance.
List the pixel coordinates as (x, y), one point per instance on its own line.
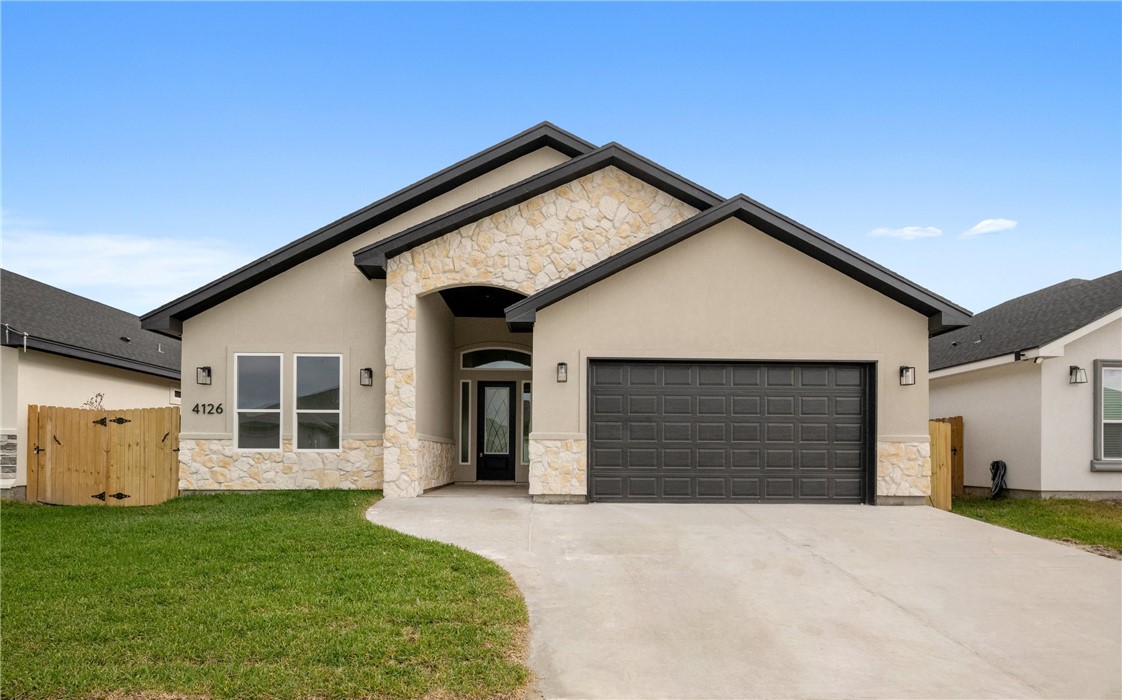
(495, 435)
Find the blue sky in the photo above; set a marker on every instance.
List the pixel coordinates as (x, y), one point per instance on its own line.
(150, 148)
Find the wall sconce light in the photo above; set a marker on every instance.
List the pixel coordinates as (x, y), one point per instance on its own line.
(202, 375)
(1076, 375)
(366, 376)
(907, 376)
(562, 372)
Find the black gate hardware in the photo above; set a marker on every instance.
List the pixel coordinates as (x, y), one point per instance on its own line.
(119, 495)
(120, 421)
(102, 423)
(99, 496)
(954, 451)
(165, 437)
(56, 440)
(38, 449)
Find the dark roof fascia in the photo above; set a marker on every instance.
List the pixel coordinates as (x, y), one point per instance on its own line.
(64, 350)
(168, 319)
(372, 259)
(942, 314)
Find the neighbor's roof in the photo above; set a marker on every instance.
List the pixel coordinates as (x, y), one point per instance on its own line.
(1029, 321)
(66, 324)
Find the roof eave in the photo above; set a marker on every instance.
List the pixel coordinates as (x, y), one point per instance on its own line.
(64, 350)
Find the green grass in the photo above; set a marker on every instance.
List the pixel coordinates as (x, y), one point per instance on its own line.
(281, 595)
(1085, 522)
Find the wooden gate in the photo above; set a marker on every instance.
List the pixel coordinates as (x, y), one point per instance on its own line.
(946, 460)
(120, 458)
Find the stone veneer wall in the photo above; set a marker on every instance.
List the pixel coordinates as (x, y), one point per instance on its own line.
(217, 464)
(557, 467)
(904, 469)
(436, 463)
(9, 443)
(526, 248)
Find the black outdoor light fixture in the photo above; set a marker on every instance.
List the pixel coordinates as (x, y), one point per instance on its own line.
(366, 376)
(562, 372)
(907, 376)
(1076, 375)
(202, 375)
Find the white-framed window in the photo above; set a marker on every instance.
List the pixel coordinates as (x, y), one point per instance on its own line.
(257, 399)
(495, 358)
(1108, 416)
(465, 421)
(318, 402)
(526, 414)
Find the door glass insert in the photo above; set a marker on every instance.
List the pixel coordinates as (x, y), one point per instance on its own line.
(496, 412)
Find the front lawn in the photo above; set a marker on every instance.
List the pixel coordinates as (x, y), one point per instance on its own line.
(280, 595)
(1094, 523)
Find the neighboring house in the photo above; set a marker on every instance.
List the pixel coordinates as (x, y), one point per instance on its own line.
(60, 349)
(573, 317)
(1038, 381)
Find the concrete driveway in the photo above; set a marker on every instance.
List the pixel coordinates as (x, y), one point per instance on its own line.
(775, 601)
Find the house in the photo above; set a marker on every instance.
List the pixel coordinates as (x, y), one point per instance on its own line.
(60, 349)
(1038, 382)
(572, 317)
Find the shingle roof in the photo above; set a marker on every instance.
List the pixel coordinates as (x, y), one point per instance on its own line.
(1028, 321)
(62, 323)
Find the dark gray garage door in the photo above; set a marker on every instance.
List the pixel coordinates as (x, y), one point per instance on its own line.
(751, 432)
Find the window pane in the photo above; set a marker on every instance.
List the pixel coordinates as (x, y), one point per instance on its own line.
(465, 422)
(496, 414)
(496, 358)
(526, 423)
(317, 383)
(1112, 441)
(317, 431)
(1112, 393)
(258, 430)
(258, 382)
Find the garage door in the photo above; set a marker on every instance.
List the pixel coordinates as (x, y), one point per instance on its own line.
(746, 432)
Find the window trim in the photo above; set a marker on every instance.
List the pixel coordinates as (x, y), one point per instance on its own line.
(523, 429)
(278, 410)
(522, 351)
(1098, 462)
(297, 411)
(464, 441)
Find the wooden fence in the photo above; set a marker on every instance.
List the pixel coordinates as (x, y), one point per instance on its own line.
(81, 456)
(946, 460)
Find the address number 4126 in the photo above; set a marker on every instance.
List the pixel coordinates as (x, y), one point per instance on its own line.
(207, 408)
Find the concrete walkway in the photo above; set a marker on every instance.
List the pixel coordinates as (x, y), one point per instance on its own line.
(753, 601)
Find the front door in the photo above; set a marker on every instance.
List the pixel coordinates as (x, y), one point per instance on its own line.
(495, 459)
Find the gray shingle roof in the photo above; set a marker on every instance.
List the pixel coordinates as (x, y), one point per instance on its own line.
(67, 324)
(1028, 321)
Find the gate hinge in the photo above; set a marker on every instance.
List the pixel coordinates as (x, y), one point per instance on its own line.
(105, 421)
(120, 421)
(99, 496)
(102, 423)
(119, 495)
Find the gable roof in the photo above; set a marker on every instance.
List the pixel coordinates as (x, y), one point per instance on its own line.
(66, 324)
(168, 319)
(372, 259)
(1029, 321)
(942, 314)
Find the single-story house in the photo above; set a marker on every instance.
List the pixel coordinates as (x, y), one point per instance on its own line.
(61, 349)
(572, 317)
(1038, 382)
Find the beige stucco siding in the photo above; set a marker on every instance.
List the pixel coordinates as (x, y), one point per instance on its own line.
(730, 292)
(1000, 407)
(1067, 434)
(323, 305)
(435, 338)
(51, 380)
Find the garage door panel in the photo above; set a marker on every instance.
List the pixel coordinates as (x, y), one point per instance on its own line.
(676, 431)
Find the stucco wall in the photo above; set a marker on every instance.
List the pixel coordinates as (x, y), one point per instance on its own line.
(51, 380)
(323, 305)
(1067, 434)
(435, 337)
(1000, 409)
(732, 293)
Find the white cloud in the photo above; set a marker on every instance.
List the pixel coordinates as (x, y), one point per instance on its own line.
(907, 233)
(989, 226)
(134, 273)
